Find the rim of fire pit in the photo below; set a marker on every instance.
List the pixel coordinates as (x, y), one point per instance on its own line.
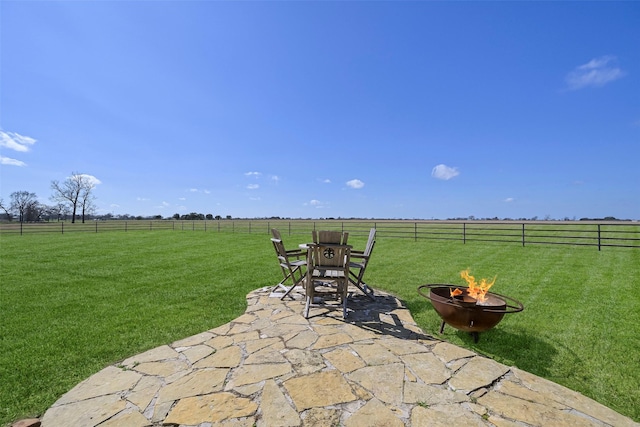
(518, 307)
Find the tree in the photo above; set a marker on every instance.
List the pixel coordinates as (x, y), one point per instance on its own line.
(86, 202)
(6, 209)
(75, 191)
(25, 204)
(59, 210)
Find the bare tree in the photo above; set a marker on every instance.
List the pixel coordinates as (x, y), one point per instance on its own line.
(59, 210)
(6, 209)
(52, 212)
(25, 204)
(86, 202)
(75, 191)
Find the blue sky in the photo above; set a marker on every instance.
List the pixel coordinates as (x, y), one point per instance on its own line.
(326, 109)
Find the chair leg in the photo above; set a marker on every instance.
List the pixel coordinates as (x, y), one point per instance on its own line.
(367, 290)
(306, 307)
(288, 292)
(308, 293)
(345, 288)
(363, 288)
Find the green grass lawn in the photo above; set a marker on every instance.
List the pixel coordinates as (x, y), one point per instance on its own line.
(72, 304)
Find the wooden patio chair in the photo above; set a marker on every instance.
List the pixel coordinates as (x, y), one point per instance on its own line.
(327, 274)
(298, 253)
(358, 265)
(292, 269)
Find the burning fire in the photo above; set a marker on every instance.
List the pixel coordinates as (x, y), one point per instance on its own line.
(455, 292)
(476, 290)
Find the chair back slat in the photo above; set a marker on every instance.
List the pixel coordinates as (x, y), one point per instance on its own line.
(276, 233)
(371, 242)
(328, 236)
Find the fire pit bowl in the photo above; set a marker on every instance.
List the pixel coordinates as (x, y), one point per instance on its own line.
(466, 314)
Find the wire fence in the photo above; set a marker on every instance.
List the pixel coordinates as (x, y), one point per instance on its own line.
(624, 234)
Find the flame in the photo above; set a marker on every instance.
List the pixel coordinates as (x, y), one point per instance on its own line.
(455, 292)
(477, 290)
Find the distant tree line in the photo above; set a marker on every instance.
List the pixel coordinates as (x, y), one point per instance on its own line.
(72, 197)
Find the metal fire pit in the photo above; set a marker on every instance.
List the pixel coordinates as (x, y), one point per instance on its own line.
(463, 313)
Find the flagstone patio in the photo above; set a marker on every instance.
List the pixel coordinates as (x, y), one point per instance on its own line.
(272, 367)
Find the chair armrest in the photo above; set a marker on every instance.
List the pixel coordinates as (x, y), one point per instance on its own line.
(360, 255)
(297, 253)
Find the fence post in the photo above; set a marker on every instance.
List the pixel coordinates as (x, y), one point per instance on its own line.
(598, 237)
(62, 227)
(96, 226)
(249, 227)
(464, 233)
(415, 231)
(523, 234)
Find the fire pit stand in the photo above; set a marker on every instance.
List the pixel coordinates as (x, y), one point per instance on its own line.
(466, 314)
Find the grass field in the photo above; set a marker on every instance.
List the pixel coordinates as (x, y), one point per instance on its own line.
(72, 304)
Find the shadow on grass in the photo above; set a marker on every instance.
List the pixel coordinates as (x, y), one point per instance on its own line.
(521, 348)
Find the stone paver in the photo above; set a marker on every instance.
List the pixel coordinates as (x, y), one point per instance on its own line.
(273, 367)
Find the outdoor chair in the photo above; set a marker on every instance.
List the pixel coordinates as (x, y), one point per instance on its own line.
(292, 269)
(298, 253)
(333, 237)
(327, 274)
(358, 265)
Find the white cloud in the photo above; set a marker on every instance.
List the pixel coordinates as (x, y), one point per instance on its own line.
(595, 73)
(355, 184)
(197, 190)
(11, 162)
(509, 199)
(275, 178)
(253, 187)
(91, 179)
(16, 142)
(142, 199)
(316, 204)
(326, 181)
(444, 172)
(256, 174)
